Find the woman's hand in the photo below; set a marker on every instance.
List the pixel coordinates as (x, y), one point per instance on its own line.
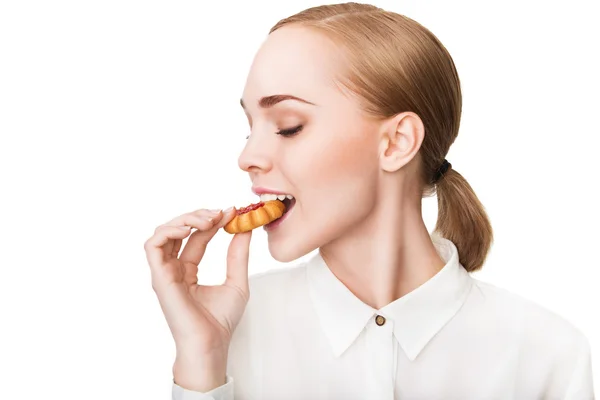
(201, 318)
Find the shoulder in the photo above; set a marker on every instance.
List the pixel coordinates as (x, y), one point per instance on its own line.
(276, 288)
(536, 325)
(272, 293)
(277, 274)
(278, 279)
(546, 347)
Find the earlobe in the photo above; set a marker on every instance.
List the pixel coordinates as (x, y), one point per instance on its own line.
(401, 140)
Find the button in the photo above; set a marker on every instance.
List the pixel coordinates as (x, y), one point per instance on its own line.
(380, 320)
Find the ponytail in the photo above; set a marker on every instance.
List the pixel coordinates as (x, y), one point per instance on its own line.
(463, 220)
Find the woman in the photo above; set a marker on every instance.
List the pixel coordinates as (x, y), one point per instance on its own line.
(352, 110)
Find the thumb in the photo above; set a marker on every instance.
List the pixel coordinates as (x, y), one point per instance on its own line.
(237, 261)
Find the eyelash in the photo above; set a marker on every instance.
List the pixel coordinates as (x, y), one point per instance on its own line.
(287, 132)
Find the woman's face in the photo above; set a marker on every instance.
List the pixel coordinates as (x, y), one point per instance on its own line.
(330, 165)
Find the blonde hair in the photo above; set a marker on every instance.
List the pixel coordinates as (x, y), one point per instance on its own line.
(393, 65)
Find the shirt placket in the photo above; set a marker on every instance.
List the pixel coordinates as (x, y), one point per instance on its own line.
(380, 359)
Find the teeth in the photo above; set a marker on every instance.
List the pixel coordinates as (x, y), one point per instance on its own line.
(270, 197)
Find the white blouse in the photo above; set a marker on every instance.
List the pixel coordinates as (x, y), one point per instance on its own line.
(305, 336)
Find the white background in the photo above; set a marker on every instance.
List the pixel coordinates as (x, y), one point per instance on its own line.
(116, 116)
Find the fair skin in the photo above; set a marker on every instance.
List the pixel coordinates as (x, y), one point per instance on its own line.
(353, 177)
(357, 201)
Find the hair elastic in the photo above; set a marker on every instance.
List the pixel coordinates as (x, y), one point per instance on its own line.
(441, 170)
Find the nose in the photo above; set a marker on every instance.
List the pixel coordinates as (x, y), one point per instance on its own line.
(256, 155)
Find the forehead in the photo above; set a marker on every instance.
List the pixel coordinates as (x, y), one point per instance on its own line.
(292, 60)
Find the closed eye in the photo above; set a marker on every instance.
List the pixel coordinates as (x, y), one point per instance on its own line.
(290, 132)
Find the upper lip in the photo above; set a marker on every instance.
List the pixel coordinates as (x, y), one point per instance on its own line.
(261, 190)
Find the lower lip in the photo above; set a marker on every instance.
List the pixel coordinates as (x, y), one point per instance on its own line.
(279, 221)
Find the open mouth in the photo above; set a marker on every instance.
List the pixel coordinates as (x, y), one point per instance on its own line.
(289, 203)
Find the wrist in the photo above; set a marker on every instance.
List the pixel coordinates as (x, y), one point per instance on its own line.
(200, 372)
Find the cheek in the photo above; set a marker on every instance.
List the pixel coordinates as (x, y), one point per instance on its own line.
(342, 184)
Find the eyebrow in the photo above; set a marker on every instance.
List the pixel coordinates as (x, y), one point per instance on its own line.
(270, 101)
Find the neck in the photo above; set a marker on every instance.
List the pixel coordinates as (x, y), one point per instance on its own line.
(386, 256)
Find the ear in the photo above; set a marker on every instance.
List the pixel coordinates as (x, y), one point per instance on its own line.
(401, 140)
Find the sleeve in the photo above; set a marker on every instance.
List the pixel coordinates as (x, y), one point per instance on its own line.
(581, 386)
(224, 392)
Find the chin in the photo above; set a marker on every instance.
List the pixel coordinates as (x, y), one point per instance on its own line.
(287, 247)
(286, 251)
(296, 238)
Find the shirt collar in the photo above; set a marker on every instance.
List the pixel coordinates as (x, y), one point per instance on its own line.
(417, 316)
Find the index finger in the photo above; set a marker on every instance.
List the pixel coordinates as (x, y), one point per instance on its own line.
(196, 245)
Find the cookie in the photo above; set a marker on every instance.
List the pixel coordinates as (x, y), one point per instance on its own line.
(254, 216)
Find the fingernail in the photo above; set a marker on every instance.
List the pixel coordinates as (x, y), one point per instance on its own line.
(228, 209)
(216, 211)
